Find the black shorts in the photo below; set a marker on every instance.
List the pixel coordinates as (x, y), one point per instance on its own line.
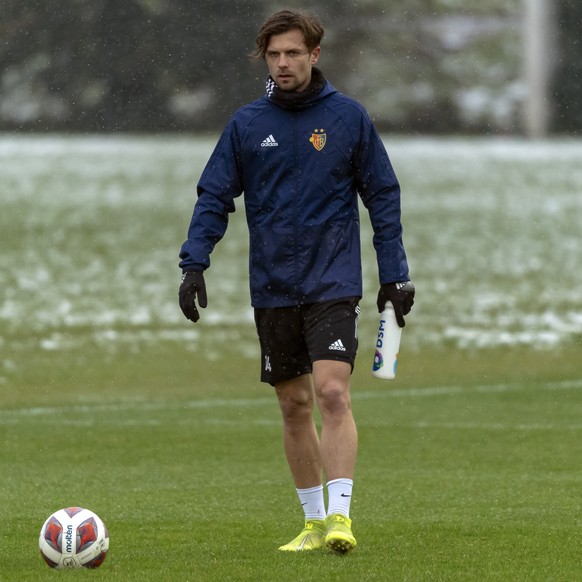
(292, 338)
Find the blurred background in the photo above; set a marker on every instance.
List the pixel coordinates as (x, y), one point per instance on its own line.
(419, 66)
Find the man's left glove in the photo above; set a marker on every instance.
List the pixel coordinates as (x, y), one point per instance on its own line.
(192, 288)
(401, 295)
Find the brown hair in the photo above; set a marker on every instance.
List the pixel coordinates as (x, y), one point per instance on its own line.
(284, 21)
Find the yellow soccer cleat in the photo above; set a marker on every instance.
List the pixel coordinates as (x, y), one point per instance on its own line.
(339, 537)
(312, 537)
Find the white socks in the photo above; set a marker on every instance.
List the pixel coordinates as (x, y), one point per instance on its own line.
(312, 502)
(339, 492)
(339, 496)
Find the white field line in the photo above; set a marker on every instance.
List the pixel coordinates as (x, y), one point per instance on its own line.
(266, 422)
(493, 426)
(451, 390)
(66, 413)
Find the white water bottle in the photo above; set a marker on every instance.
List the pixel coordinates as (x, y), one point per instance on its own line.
(387, 345)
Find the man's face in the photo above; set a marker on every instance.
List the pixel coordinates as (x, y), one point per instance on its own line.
(290, 61)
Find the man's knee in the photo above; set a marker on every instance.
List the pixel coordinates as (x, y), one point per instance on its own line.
(296, 399)
(332, 386)
(333, 397)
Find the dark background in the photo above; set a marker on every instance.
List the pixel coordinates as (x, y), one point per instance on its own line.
(183, 65)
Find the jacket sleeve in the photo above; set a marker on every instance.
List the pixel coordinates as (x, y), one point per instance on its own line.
(220, 183)
(380, 193)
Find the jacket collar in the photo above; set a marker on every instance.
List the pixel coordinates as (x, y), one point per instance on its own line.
(298, 99)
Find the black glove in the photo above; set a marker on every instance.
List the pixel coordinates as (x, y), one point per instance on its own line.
(401, 295)
(192, 287)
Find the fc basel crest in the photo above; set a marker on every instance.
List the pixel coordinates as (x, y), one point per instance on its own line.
(318, 139)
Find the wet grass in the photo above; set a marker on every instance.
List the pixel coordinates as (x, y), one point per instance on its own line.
(469, 462)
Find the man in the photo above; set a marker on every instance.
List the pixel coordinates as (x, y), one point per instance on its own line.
(301, 154)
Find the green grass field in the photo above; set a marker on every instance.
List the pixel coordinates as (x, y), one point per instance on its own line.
(470, 461)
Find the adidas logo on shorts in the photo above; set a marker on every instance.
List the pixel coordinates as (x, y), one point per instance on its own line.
(337, 345)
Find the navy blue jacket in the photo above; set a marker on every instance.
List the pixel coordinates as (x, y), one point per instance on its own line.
(301, 171)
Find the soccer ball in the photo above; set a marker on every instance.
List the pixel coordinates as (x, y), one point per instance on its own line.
(73, 538)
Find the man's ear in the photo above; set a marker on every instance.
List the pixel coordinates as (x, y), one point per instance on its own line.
(315, 55)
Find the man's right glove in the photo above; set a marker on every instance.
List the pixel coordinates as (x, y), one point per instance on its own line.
(401, 295)
(192, 288)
